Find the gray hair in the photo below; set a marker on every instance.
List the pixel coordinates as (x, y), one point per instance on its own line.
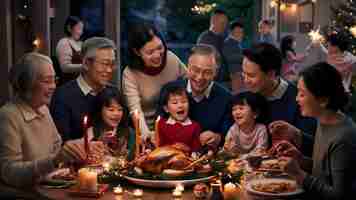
(206, 50)
(90, 46)
(25, 73)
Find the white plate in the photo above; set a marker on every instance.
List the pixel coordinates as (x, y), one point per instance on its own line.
(166, 183)
(250, 183)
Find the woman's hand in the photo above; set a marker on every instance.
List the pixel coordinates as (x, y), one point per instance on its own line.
(292, 168)
(281, 130)
(284, 148)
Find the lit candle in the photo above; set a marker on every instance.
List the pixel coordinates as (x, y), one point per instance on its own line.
(180, 187)
(86, 139)
(118, 190)
(88, 179)
(231, 191)
(138, 133)
(157, 131)
(36, 43)
(177, 193)
(106, 166)
(138, 193)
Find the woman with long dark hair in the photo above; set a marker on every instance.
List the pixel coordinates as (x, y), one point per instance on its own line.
(151, 66)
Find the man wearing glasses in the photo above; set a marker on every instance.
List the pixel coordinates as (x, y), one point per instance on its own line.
(209, 101)
(75, 99)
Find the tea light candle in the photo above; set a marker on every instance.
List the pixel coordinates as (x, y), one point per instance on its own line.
(88, 179)
(138, 193)
(180, 187)
(231, 191)
(177, 193)
(118, 190)
(106, 166)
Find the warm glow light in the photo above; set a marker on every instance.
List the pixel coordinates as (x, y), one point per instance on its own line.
(118, 190)
(85, 121)
(282, 7)
(203, 9)
(36, 43)
(273, 4)
(138, 193)
(315, 36)
(106, 166)
(314, 1)
(294, 7)
(180, 187)
(353, 30)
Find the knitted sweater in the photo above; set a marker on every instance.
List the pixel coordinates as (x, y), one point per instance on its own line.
(334, 162)
(179, 133)
(142, 91)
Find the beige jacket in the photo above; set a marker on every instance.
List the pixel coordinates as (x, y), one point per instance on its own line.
(29, 141)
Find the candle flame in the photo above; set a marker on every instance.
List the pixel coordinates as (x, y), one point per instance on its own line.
(179, 187)
(353, 31)
(85, 121)
(36, 42)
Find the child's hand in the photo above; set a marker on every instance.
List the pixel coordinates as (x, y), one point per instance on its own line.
(210, 139)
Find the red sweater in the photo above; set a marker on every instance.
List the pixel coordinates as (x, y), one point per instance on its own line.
(178, 133)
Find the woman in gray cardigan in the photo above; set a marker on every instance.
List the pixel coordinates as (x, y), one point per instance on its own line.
(321, 95)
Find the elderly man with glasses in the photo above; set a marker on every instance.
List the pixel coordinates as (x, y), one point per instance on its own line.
(210, 104)
(75, 99)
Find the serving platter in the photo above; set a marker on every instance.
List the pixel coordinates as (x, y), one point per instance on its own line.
(167, 183)
(268, 181)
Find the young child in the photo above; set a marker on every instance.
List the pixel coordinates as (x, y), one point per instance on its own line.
(290, 58)
(110, 124)
(175, 126)
(248, 133)
(265, 32)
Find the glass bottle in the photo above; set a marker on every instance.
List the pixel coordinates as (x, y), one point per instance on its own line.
(216, 192)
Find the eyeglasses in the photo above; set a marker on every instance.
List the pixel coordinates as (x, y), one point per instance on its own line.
(105, 64)
(205, 73)
(51, 80)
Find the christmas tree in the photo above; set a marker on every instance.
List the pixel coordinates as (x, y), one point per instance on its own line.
(344, 22)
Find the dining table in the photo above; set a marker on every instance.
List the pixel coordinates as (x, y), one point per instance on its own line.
(148, 194)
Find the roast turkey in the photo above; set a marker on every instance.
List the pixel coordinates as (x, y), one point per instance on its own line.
(174, 157)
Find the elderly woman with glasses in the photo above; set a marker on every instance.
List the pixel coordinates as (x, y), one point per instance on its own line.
(151, 66)
(30, 146)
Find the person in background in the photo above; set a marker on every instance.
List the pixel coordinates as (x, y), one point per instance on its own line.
(290, 58)
(232, 52)
(68, 50)
(151, 66)
(265, 32)
(176, 126)
(76, 98)
(321, 95)
(340, 58)
(261, 71)
(30, 146)
(249, 132)
(215, 36)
